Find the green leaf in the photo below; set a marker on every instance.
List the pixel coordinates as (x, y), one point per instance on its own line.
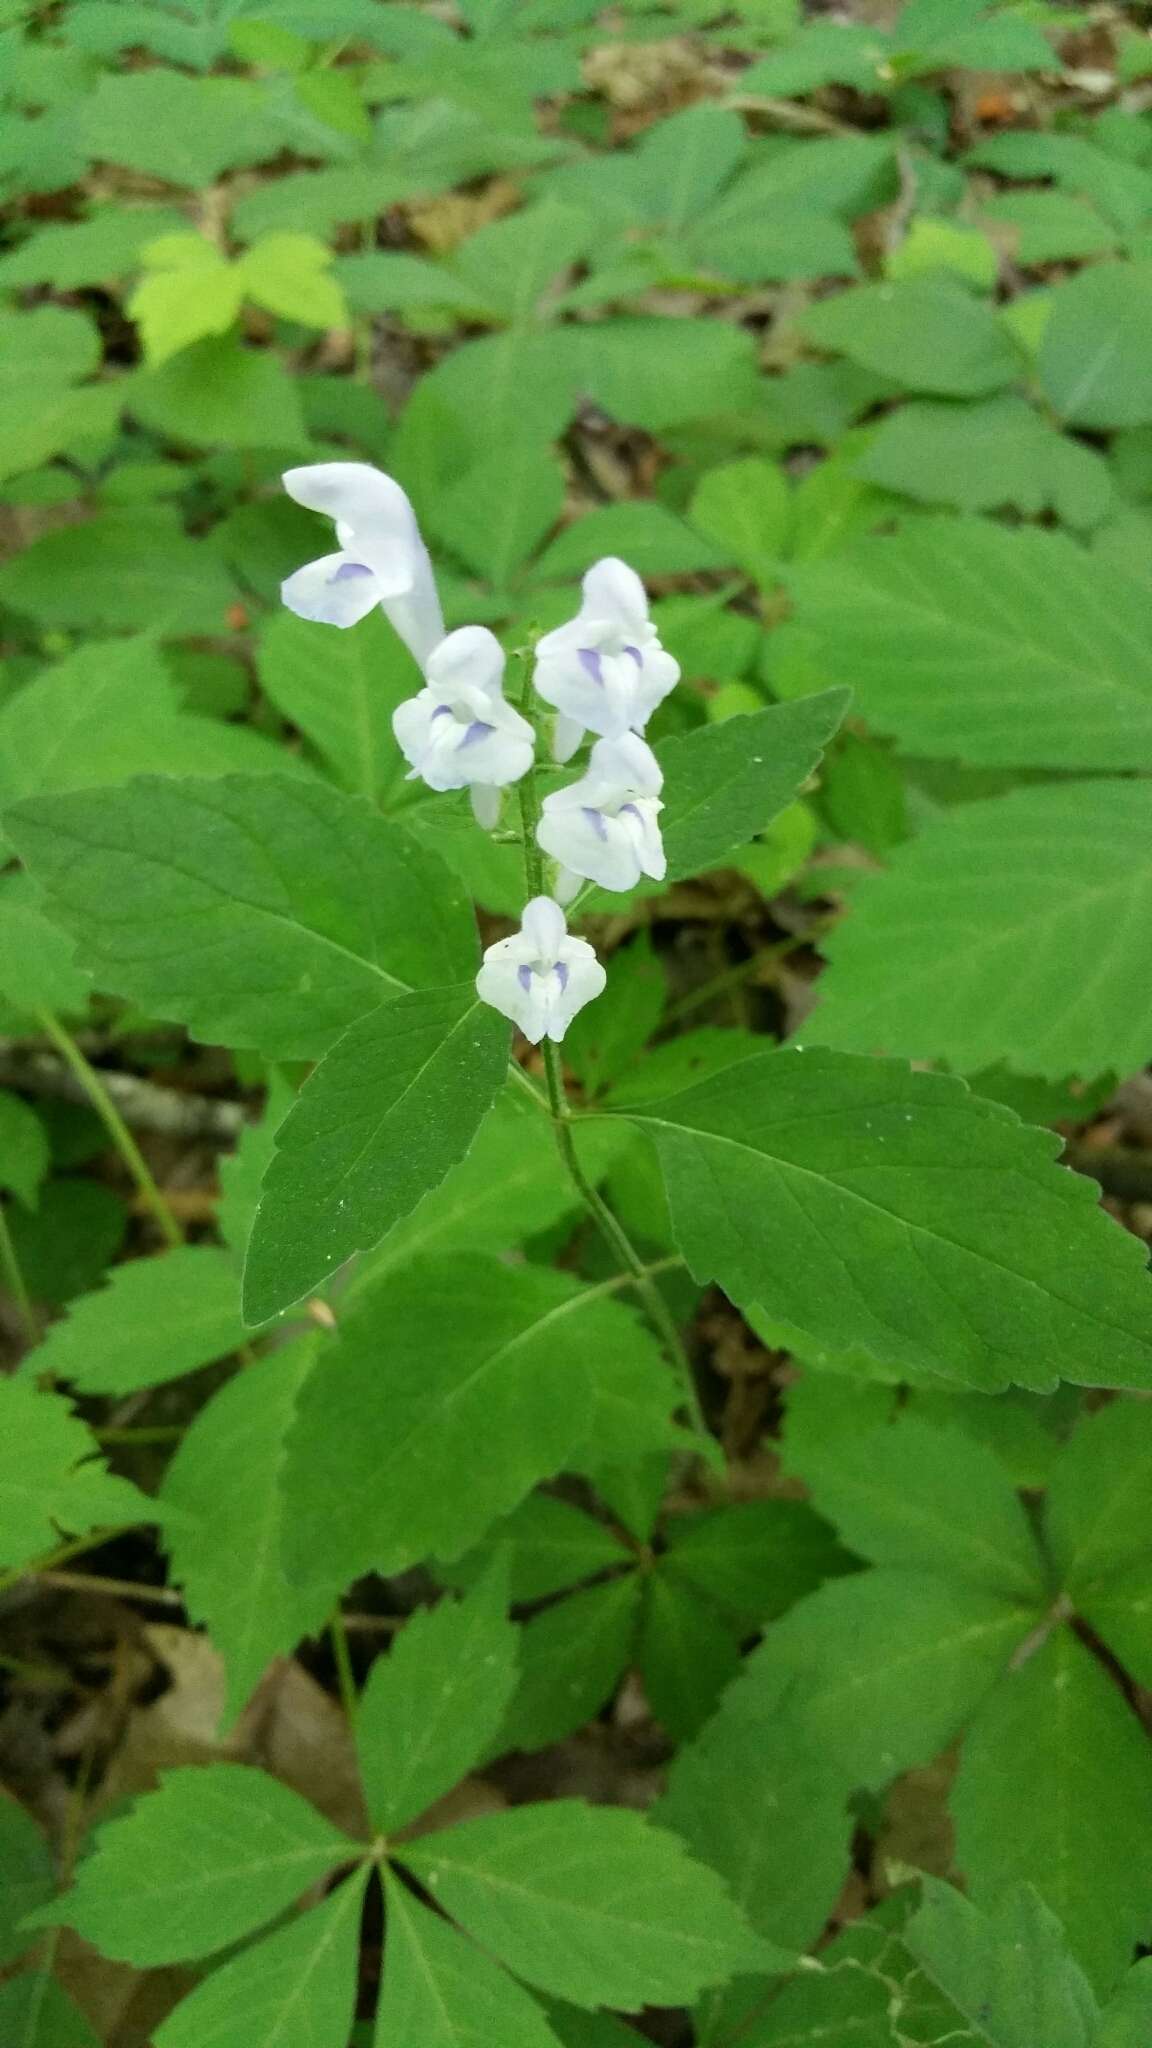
(94, 251)
(296, 1989)
(686, 1655)
(1009, 1973)
(681, 164)
(496, 514)
(392, 281)
(52, 343)
(662, 373)
(191, 290)
(941, 1228)
(64, 1244)
(726, 782)
(745, 507)
(572, 1658)
(547, 1547)
(341, 690)
(931, 1500)
(241, 1172)
(36, 967)
(24, 1154)
(486, 1366)
(999, 647)
(212, 1855)
(1051, 227)
(155, 1319)
(650, 536)
(986, 455)
(509, 264)
(226, 1480)
(432, 1706)
(36, 2013)
(1092, 367)
(219, 394)
(608, 1038)
(299, 909)
(590, 1902)
(288, 273)
(28, 1874)
(49, 1480)
(820, 53)
(755, 1559)
(441, 1991)
(1055, 1790)
(183, 130)
(927, 334)
(1047, 875)
(1125, 2022)
(124, 570)
(1096, 1525)
(393, 1106)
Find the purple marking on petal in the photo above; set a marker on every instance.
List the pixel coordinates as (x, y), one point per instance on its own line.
(634, 811)
(596, 820)
(476, 732)
(637, 657)
(442, 711)
(524, 977)
(349, 570)
(561, 973)
(590, 663)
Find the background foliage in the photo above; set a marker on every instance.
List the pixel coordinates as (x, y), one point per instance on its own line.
(837, 329)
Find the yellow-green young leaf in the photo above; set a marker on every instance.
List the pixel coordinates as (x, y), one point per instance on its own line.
(295, 1989)
(726, 782)
(48, 1483)
(341, 689)
(1007, 1972)
(155, 1319)
(453, 1362)
(433, 1704)
(226, 1480)
(288, 274)
(590, 1902)
(1000, 646)
(24, 1156)
(191, 291)
(928, 334)
(443, 1992)
(932, 1500)
(875, 1208)
(297, 909)
(1055, 1789)
(27, 1876)
(395, 1103)
(209, 1857)
(927, 963)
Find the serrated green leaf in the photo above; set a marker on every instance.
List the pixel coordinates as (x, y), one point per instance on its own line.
(298, 909)
(36, 2013)
(745, 507)
(296, 1989)
(242, 1171)
(661, 373)
(443, 1992)
(191, 290)
(1000, 1269)
(184, 130)
(27, 1876)
(391, 280)
(127, 570)
(1096, 1525)
(754, 1559)
(726, 782)
(686, 1655)
(450, 1359)
(212, 1855)
(547, 1547)
(572, 1657)
(1048, 875)
(155, 1319)
(510, 263)
(590, 1902)
(999, 647)
(1009, 1972)
(982, 456)
(1092, 368)
(1051, 227)
(24, 1154)
(681, 164)
(928, 334)
(46, 1482)
(226, 1480)
(288, 274)
(498, 512)
(1128, 2015)
(392, 1107)
(432, 1706)
(86, 252)
(929, 1500)
(1055, 1790)
(219, 394)
(646, 533)
(341, 689)
(63, 1245)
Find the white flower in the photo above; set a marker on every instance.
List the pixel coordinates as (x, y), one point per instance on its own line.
(382, 558)
(604, 826)
(541, 976)
(605, 670)
(460, 732)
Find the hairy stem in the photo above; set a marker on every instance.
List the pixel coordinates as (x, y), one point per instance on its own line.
(115, 1126)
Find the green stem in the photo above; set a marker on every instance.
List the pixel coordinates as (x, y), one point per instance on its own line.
(607, 1221)
(14, 1281)
(115, 1126)
(63, 1551)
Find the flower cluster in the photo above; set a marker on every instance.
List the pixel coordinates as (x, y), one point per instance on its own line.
(604, 673)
